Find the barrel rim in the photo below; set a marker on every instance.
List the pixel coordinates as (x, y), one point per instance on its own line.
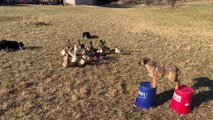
(145, 87)
(191, 90)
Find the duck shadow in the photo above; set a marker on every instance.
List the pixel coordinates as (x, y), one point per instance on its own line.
(104, 61)
(204, 96)
(107, 60)
(164, 97)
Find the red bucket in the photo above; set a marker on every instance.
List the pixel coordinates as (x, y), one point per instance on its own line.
(182, 99)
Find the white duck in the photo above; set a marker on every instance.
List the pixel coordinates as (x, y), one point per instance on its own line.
(100, 51)
(118, 51)
(75, 58)
(63, 52)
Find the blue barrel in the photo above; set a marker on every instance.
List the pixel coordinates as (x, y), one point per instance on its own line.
(146, 96)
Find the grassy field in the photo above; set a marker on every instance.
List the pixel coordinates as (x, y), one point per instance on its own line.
(34, 85)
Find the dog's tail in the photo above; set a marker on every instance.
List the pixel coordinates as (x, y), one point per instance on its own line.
(177, 71)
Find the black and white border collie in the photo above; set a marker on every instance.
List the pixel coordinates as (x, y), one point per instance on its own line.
(86, 35)
(11, 45)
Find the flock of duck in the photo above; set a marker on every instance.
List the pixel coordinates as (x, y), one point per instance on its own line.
(80, 55)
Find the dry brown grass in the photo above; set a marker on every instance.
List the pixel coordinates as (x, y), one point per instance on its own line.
(34, 85)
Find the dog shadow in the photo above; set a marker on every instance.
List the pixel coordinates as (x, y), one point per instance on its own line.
(33, 48)
(94, 36)
(164, 97)
(204, 96)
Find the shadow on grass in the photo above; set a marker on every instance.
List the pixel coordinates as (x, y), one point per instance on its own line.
(179, 5)
(203, 96)
(103, 61)
(164, 97)
(3, 111)
(198, 98)
(33, 48)
(107, 60)
(94, 36)
(41, 23)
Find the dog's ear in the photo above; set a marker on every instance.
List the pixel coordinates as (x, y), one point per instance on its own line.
(101, 43)
(144, 61)
(21, 45)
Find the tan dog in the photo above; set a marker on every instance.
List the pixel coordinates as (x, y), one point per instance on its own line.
(156, 71)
